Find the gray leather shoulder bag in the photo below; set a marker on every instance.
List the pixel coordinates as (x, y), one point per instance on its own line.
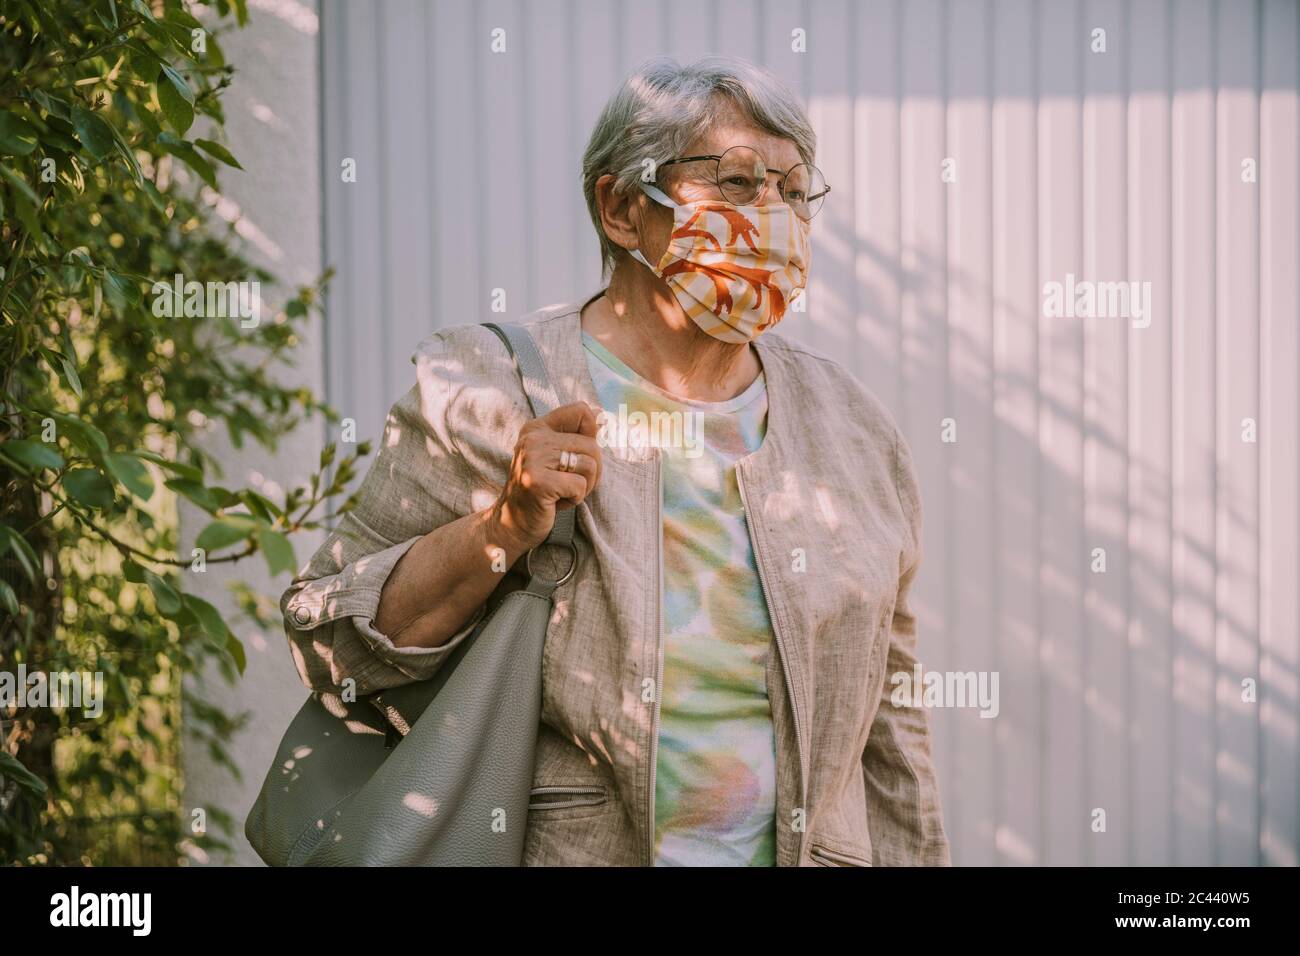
(452, 788)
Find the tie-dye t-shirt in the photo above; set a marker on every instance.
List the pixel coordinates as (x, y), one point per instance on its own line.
(715, 773)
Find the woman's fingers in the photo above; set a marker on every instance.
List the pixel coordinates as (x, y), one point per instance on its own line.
(537, 484)
(575, 462)
(574, 418)
(584, 446)
(572, 488)
(547, 446)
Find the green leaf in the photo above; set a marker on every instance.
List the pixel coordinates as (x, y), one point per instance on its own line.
(133, 572)
(175, 99)
(236, 649)
(128, 156)
(209, 619)
(52, 104)
(175, 467)
(31, 454)
(9, 599)
(143, 62)
(15, 771)
(225, 497)
(259, 506)
(23, 553)
(190, 156)
(278, 550)
(20, 184)
(130, 472)
(217, 151)
(196, 492)
(89, 487)
(154, 195)
(95, 134)
(215, 57)
(60, 140)
(163, 34)
(26, 213)
(201, 166)
(224, 532)
(183, 17)
(17, 136)
(66, 369)
(70, 376)
(121, 291)
(83, 434)
(165, 596)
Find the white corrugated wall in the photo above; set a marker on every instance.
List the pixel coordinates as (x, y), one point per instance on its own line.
(1120, 691)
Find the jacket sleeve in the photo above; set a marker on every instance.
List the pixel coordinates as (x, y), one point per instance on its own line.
(904, 814)
(417, 482)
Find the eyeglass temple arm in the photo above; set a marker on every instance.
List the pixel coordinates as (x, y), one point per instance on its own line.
(684, 159)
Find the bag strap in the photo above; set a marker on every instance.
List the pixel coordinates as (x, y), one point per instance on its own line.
(542, 399)
(402, 706)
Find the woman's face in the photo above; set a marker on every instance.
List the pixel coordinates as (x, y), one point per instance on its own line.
(692, 182)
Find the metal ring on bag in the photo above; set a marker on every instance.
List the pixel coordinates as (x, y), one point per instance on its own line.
(573, 565)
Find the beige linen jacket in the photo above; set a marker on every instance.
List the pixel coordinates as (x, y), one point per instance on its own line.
(835, 519)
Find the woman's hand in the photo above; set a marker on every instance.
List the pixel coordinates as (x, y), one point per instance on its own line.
(537, 486)
(453, 569)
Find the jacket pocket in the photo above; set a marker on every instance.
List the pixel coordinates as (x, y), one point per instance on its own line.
(547, 799)
(822, 855)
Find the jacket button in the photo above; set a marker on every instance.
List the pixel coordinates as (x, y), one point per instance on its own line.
(302, 615)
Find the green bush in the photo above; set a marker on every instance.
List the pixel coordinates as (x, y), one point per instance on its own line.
(111, 132)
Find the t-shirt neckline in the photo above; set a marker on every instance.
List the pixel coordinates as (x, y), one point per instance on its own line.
(623, 371)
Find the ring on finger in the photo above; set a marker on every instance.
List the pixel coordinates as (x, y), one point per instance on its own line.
(567, 460)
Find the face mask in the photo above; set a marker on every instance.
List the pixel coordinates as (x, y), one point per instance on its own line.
(733, 269)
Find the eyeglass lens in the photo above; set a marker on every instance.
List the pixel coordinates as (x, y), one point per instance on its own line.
(741, 175)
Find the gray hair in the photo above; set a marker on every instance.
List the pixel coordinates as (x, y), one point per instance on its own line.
(663, 106)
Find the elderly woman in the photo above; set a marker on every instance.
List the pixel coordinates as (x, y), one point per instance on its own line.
(716, 672)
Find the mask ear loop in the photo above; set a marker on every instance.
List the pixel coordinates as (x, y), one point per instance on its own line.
(663, 199)
(659, 196)
(636, 254)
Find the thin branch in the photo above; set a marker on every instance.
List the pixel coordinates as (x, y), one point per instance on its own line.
(128, 550)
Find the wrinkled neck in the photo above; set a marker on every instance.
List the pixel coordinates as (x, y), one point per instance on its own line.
(639, 320)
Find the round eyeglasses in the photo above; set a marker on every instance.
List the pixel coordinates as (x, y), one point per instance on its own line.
(741, 177)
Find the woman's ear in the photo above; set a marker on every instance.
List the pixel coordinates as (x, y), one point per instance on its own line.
(620, 212)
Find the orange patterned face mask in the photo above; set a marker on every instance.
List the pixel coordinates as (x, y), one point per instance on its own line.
(733, 269)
